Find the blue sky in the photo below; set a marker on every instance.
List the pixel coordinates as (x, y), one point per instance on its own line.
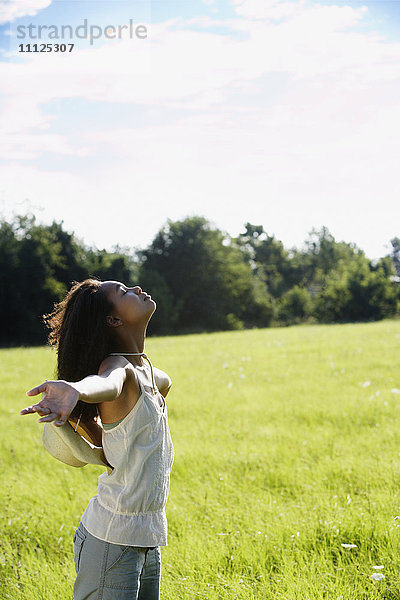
(279, 113)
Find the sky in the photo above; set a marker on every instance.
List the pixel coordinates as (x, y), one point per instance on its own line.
(280, 113)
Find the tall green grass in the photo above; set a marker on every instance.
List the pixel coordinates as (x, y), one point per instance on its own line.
(287, 446)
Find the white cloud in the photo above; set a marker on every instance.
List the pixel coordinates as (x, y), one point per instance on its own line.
(202, 71)
(334, 17)
(33, 145)
(315, 148)
(267, 9)
(192, 69)
(14, 9)
(289, 171)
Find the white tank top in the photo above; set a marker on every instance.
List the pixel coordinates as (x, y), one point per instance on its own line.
(129, 508)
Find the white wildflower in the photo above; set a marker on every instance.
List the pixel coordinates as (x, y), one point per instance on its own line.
(378, 567)
(349, 545)
(365, 384)
(395, 391)
(377, 576)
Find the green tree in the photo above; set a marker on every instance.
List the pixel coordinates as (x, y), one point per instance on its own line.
(321, 254)
(209, 285)
(114, 266)
(396, 254)
(10, 295)
(29, 256)
(295, 306)
(358, 291)
(37, 265)
(268, 258)
(165, 319)
(75, 258)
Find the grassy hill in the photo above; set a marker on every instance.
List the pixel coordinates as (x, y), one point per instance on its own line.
(286, 481)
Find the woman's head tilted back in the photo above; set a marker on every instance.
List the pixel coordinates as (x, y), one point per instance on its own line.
(94, 319)
(79, 331)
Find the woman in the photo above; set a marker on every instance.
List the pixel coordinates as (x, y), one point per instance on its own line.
(99, 330)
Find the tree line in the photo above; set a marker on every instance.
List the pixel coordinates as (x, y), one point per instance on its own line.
(201, 278)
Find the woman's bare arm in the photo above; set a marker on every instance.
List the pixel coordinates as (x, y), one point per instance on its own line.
(60, 397)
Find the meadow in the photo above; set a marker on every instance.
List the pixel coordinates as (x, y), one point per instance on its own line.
(286, 480)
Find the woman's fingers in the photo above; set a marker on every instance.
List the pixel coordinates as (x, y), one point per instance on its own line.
(36, 408)
(42, 410)
(57, 402)
(27, 411)
(39, 389)
(51, 417)
(47, 415)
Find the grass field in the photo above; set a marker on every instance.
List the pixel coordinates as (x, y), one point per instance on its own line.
(287, 445)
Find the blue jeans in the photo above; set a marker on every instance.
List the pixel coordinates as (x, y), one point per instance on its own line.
(107, 571)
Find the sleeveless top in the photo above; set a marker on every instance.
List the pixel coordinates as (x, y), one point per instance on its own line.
(129, 508)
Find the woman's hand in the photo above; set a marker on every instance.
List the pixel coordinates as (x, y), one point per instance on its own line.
(59, 398)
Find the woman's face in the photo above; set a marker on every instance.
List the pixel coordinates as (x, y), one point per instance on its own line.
(131, 305)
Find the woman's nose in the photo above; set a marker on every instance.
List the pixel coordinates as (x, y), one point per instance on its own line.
(137, 289)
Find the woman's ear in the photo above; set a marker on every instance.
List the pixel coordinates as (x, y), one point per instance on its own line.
(113, 321)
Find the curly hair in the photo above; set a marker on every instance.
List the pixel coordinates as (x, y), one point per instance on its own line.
(79, 332)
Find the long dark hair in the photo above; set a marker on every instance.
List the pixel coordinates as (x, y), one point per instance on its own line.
(79, 332)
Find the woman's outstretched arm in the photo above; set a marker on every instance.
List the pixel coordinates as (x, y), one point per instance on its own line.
(60, 397)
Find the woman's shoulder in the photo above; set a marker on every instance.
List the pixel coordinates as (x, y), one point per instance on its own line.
(109, 363)
(124, 402)
(163, 381)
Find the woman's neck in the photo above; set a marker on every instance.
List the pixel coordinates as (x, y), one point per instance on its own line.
(130, 343)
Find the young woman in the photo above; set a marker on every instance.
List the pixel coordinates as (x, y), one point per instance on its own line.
(99, 330)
